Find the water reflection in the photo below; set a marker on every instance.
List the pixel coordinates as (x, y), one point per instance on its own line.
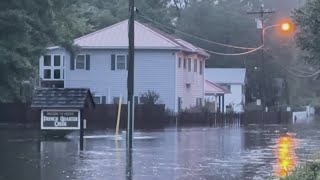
(175, 154)
(129, 165)
(285, 154)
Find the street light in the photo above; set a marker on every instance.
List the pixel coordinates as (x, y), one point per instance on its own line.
(285, 27)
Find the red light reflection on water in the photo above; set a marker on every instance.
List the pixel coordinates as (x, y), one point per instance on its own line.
(285, 155)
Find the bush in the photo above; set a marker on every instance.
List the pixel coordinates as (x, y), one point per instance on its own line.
(310, 171)
(150, 97)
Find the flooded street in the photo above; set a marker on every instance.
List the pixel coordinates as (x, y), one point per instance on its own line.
(171, 153)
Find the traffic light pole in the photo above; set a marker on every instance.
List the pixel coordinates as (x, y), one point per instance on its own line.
(262, 87)
(130, 81)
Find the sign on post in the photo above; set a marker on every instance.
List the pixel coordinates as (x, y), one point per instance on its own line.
(60, 119)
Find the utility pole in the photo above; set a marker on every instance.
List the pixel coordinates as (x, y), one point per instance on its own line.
(130, 81)
(262, 87)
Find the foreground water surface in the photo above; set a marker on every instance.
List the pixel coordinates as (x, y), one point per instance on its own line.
(186, 153)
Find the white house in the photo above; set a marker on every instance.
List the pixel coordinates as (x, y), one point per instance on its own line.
(165, 64)
(232, 79)
(214, 94)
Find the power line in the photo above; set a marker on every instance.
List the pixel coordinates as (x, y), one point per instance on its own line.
(192, 36)
(294, 71)
(209, 51)
(291, 71)
(304, 76)
(234, 54)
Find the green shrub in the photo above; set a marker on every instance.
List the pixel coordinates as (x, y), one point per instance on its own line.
(310, 171)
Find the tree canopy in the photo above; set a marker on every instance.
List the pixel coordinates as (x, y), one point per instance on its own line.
(27, 27)
(307, 20)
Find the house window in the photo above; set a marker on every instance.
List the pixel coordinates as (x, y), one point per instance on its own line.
(47, 74)
(57, 60)
(189, 64)
(47, 60)
(179, 104)
(201, 67)
(195, 65)
(80, 62)
(199, 102)
(57, 74)
(97, 99)
(179, 63)
(52, 67)
(184, 63)
(136, 100)
(121, 62)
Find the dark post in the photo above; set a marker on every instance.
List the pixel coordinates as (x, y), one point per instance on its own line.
(81, 130)
(223, 104)
(262, 88)
(220, 110)
(129, 169)
(130, 75)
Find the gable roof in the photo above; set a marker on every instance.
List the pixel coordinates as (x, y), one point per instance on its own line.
(213, 88)
(146, 37)
(76, 98)
(226, 75)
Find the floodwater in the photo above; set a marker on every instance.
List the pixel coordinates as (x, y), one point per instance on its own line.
(186, 153)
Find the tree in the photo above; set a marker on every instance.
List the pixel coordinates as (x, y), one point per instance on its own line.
(150, 97)
(308, 26)
(26, 28)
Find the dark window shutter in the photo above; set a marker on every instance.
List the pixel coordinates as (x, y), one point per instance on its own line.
(113, 62)
(136, 100)
(103, 100)
(127, 61)
(87, 62)
(72, 62)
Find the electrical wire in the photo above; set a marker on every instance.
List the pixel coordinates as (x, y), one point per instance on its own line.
(234, 54)
(231, 46)
(304, 76)
(209, 51)
(291, 71)
(192, 36)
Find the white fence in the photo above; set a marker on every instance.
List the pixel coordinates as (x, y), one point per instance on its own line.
(303, 116)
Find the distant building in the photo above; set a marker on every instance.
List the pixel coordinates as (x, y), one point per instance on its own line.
(233, 80)
(215, 96)
(165, 64)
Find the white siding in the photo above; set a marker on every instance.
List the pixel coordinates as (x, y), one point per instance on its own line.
(196, 89)
(235, 98)
(154, 70)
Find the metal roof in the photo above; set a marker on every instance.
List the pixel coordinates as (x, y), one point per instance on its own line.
(76, 98)
(226, 75)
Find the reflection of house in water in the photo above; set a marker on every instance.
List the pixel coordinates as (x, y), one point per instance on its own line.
(19, 157)
(58, 159)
